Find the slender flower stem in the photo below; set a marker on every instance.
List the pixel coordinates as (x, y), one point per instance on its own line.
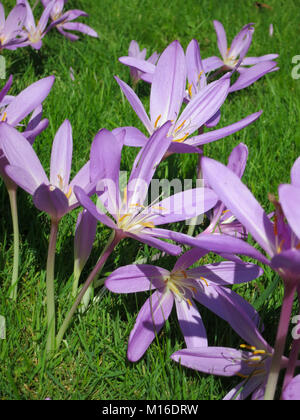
(50, 347)
(110, 246)
(292, 360)
(12, 192)
(283, 327)
(77, 273)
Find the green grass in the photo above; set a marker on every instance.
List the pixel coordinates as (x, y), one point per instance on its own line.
(91, 363)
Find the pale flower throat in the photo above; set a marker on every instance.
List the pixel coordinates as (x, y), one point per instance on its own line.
(134, 218)
(182, 285)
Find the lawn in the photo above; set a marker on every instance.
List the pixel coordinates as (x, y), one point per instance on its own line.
(91, 363)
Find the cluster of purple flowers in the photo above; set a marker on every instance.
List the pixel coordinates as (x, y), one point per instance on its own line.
(20, 29)
(186, 97)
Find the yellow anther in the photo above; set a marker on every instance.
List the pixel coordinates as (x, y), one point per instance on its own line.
(182, 139)
(156, 122)
(124, 217)
(190, 90)
(200, 74)
(225, 211)
(148, 225)
(205, 281)
(184, 274)
(279, 249)
(189, 302)
(181, 125)
(255, 359)
(3, 119)
(259, 352)
(69, 193)
(246, 347)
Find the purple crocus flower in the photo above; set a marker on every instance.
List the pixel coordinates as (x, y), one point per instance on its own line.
(237, 51)
(292, 391)
(35, 33)
(251, 363)
(130, 217)
(63, 20)
(55, 196)
(274, 237)
(14, 109)
(166, 99)
(234, 58)
(277, 239)
(135, 58)
(204, 284)
(11, 28)
(197, 77)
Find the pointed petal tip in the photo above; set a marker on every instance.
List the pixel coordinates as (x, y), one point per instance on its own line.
(50, 79)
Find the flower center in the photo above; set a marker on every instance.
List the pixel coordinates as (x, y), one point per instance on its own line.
(181, 285)
(34, 36)
(135, 217)
(255, 360)
(179, 133)
(56, 15)
(177, 282)
(230, 61)
(56, 12)
(61, 187)
(2, 39)
(135, 222)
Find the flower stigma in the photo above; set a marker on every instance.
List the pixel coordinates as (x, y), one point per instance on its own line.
(135, 217)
